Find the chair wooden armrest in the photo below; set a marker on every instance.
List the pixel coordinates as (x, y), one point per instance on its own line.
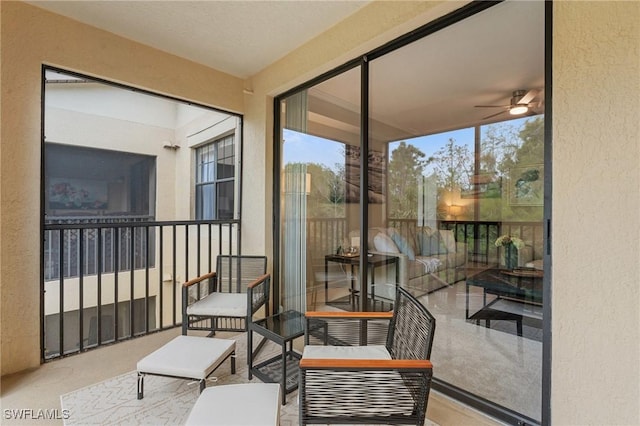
(367, 364)
(199, 279)
(258, 280)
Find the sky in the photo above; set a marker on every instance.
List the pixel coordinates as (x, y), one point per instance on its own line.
(304, 148)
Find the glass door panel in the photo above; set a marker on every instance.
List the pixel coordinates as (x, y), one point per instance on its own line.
(319, 200)
(457, 183)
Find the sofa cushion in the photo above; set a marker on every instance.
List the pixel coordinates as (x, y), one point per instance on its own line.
(370, 236)
(431, 244)
(406, 245)
(448, 240)
(414, 269)
(423, 241)
(384, 243)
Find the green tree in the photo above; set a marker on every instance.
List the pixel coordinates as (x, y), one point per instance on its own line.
(531, 150)
(327, 191)
(498, 149)
(453, 166)
(407, 164)
(507, 148)
(326, 196)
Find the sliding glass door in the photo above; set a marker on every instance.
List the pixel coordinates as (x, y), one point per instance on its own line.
(453, 198)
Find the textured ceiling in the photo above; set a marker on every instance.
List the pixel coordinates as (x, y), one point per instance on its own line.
(429, 86)
(237, 37)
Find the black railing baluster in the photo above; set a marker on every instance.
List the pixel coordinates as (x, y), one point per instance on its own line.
(186, 253)
(116, 266)
(61, 291)
(99, 288)
(198, 258)
(131, 282)
(210, 248)
(173, 287)
(161, 277)
(198, 242)
(81, 288)
(146, 280)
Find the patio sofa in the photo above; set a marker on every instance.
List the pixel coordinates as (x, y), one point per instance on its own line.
(428, 259)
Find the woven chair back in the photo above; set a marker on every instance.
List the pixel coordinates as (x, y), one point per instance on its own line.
(412, 328)
(246, 268)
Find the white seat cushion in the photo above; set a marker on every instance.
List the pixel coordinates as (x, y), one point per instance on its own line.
(220, 304)
(346, 352)
(249, 404)
(187, 356)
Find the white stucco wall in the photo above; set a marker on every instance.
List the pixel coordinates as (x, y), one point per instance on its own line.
(596, 213)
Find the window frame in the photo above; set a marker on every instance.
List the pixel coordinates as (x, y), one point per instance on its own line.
(213, 146)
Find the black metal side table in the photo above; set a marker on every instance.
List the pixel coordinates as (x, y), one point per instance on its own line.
(373, 261)
(281, 328)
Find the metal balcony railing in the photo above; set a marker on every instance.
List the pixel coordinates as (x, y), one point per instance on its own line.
(324, 235)
(111, 279)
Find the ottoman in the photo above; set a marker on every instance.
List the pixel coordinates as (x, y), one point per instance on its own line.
(247, 404)
(187, 357)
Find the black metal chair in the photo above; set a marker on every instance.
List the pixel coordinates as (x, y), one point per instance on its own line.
(227, 299)
(370, 383)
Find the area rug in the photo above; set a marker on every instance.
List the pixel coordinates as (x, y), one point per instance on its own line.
(166, 401)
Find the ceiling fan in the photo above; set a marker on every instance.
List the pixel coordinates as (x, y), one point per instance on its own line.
(521, 103)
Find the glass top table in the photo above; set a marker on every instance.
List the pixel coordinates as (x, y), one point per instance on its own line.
(524, 285)
(282, 329)
(521, 287)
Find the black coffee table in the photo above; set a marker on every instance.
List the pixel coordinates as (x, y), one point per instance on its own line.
(518, 292)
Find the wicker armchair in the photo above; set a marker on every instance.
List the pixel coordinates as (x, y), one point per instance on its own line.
(371, 383)
(225, 300)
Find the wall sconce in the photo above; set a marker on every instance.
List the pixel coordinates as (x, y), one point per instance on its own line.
(170, 145)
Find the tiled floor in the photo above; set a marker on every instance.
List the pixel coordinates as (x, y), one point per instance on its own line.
(41, 388)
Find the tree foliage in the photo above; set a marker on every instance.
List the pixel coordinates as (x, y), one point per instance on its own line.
(326, 197)
(453, 166)
(406, 166)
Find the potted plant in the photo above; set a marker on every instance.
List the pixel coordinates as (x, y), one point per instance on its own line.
(511, 246)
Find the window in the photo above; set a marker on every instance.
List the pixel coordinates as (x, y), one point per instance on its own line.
(215, 179)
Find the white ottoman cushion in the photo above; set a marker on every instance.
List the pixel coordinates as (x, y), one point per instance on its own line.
(249, 404)
(187, 356)
(220, 304)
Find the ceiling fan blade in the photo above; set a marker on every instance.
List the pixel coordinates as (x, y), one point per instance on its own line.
(493, 115)
(491, 106)
(528, 97)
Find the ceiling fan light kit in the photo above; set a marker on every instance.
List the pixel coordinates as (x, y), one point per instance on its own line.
(518, 109)
(519, 103)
